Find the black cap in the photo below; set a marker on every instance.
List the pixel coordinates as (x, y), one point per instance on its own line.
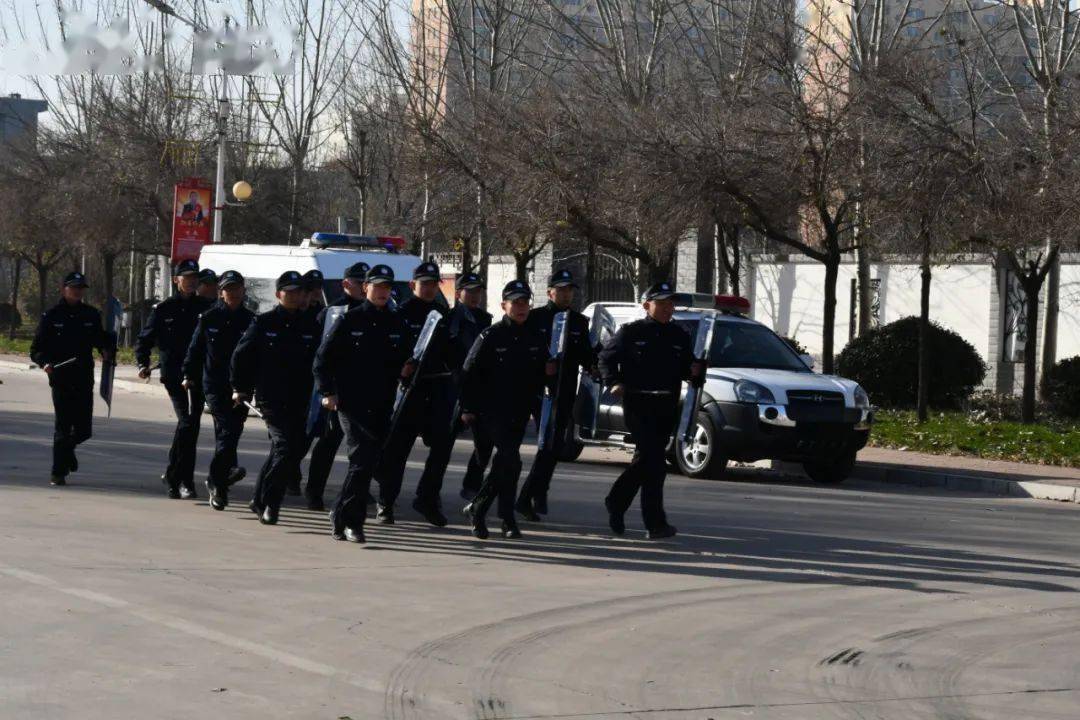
(562, 278)
(207, 277)
(659, 291)
(357, 271)
(186, 267)
(290, 280)
(380, 274)
(516, 289)
(75, 279)
(230, 277)
(313, 280)
(426, 271)
(469, 281)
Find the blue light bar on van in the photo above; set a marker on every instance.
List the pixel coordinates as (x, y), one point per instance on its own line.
(328, 239)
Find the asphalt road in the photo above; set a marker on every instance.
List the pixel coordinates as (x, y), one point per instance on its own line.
(778, 600)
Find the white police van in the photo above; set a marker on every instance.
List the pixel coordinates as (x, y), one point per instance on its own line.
(331, 253)
(761, 399)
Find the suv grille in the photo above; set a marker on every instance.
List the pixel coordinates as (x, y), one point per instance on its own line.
(815, 406)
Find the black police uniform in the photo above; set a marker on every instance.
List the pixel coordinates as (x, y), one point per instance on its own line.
(170, 327)
(273, 362)
(578, 354)
(464, 326)
(360, 362)
(327, 444)
(502, 379)
(208, 364)
(650, 360)
(430, 411)
(70, 331)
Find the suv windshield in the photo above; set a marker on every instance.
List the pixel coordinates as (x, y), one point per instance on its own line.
(751, 346)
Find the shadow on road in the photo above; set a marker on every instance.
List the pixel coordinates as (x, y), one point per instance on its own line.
(769, 554)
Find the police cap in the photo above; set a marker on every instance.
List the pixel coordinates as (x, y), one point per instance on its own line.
(380, 275)
(357, 271)
(470, 281)
(75, 279)
(426, 271)
(313, 280)
(230, 277)
(516, 289)
(659, 291)
(207, 277)
(290, 280)
(186, 267)
(562, 278)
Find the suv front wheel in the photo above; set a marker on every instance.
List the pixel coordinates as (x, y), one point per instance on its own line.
(702, 457)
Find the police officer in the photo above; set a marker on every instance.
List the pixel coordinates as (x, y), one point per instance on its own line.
(312, 305)
(208, 285)
(326, 446)
(503, 377)
(578, 353)
(645, 364)
(465, 323)
(357, 369)
(170, 327)
(207, 366)
(69, 331)
(272, 362)
(430, 411)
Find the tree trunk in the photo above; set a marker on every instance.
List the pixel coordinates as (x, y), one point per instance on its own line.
(108, 267)
(16, 281)
(865, 298)
(521, 267)
(1050, 322)
(1031, 326)
(828, 315)
(923, 391)
(294, 203)
(43, 285)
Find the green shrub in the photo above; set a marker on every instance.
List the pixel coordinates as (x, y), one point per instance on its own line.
(795, 345)
(1061, 388)
(885, 361)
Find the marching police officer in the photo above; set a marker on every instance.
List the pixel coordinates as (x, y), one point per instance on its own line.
(645, 364)
(464, 324)
(578, 353)
(63, 347)
(272, 362)
(503, 377)
(207, 366)
(170, 327)
(357, 369)
(327, 444)
(430, 409)
(208, 285)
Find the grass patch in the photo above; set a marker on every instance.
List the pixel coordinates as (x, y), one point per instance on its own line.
(21, 346)
(957, 433)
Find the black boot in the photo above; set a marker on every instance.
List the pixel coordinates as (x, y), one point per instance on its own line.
(430, 511)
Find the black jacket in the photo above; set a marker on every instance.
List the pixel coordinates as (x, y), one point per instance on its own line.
(65, 332)
(170, 327)
(210, 354)
(503, 375)
(647, 355)
(438, 360)
(273, 360)
(463, 327)
(360, 362)
(579, 351)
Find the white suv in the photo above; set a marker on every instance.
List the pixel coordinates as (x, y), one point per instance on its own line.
(761, 400)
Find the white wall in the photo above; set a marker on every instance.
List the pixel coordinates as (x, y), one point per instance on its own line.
(1069, 314)
(788, 298)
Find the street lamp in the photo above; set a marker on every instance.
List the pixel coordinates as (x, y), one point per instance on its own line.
(241, 191)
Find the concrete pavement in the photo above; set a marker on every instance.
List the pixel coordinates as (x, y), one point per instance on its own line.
(778, 600)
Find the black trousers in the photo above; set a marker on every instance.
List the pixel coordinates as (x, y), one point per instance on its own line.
(538, 481)
(188, 406)
(651, 424)
(228, 426)
(430, 418)
(505, 435)
(322, 457)
(288, 435)
(74, 408)
(350, 507)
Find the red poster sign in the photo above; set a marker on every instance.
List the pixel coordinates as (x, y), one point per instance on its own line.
(191, 219)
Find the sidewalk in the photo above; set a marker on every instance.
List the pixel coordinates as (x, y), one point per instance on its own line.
(126, 379)
(969, 474)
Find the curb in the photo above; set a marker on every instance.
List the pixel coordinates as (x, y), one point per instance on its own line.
(140, 388)
(1035, 489)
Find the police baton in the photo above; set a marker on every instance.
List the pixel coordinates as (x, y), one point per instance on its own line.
(254, 409)
(65, 362)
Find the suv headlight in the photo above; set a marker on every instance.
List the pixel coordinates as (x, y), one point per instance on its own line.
(862, 400)
(751, 392)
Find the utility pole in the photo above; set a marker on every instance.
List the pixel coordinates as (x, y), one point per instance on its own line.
(222, 131)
